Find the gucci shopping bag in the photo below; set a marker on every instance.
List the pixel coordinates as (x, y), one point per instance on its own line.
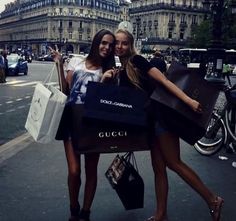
(45, 113)
(176, 115)
(125, 179)
(112, 119)
(91, 135)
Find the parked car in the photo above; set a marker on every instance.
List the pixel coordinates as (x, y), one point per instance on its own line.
(16, 65)
(234, 70)
(46, 57)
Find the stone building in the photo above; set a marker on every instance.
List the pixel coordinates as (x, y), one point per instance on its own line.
(71, 24)
(165, 24)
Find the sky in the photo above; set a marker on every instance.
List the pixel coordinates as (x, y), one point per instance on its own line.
(3, 3)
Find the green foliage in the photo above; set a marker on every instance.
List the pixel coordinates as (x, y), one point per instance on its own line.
(200, 35)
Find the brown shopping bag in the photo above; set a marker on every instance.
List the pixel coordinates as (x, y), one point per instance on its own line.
(125, 179)
(176, 115)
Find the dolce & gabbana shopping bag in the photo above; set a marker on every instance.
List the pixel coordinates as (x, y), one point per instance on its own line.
(125, 179)
(45, 112)
(176, 115)
(116, 103)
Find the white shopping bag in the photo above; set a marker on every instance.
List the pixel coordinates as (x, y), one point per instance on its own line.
(45, 113)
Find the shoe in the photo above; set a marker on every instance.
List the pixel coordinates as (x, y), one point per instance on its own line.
(84, 215)
(75, 212)
(152, 218)
(215, 209)
(74, 218)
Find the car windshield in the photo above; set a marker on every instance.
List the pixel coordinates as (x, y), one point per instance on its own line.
(12, 59)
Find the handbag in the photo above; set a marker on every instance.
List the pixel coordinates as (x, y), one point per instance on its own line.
(125, 179)
(175, 115)
(45, 112)
(91, 135)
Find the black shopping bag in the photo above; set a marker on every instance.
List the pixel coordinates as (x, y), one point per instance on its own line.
(91, 135)
(175, 114)
(116, 103)
(124, 178)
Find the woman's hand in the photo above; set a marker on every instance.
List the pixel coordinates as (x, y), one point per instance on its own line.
(110, 74)
(195, 106)
(55, 54)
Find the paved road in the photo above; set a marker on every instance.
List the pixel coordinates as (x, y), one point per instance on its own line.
(33, 185)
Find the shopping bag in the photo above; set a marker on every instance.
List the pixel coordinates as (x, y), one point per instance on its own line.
(175, 114)
(125, 179)
(116, 103)
(90, 135)
(45, 113)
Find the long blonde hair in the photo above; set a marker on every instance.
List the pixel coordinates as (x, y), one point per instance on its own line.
(132, 72)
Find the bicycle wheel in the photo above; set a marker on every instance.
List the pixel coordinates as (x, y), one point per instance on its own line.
(215, 137)
(230, 119)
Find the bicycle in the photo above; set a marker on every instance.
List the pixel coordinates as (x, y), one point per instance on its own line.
(221, 128)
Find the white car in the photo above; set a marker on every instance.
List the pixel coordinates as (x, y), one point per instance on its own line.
(234, 71)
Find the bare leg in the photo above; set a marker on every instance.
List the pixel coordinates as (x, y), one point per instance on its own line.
(91, 162)
(74, 172)
(161, 181)
(170, 150)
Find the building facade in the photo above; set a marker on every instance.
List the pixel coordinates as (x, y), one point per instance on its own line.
(71, 24)
(165, 24)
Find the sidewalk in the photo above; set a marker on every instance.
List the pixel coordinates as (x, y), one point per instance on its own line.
(33, 186)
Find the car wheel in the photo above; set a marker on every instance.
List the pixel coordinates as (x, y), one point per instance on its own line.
(26, 72)
(16, 72)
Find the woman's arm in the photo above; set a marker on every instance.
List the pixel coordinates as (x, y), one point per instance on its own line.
(158, 76)
(60, 69)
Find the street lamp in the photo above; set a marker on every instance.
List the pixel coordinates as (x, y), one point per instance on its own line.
(216, 51)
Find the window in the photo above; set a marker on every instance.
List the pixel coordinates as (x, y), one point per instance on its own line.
(182, 19)
(172, 17)
(70, 11)
(70, 24)
(194, 19)
(70, 35)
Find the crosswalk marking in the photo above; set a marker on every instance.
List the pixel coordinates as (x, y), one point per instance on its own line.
(26, 84)
(22, 83)
(14, 82)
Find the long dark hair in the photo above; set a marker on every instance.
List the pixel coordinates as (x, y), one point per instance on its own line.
(94, 56)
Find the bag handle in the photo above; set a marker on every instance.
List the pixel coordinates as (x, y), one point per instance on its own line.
(130, 157)
(49, 76)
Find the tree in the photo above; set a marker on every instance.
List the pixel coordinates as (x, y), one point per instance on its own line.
(200, 35)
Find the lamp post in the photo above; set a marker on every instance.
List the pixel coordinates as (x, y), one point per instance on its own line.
(139, 33)
(216, 51)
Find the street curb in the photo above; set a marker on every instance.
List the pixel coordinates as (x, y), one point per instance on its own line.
(9, 149)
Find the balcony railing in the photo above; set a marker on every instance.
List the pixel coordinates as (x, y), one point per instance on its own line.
(166, 6)
(164, 41)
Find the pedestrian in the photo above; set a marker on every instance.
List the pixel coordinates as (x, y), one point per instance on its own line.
(159, 62)
(6, 64)
(99, 59)
(2, 68)
(165, 151)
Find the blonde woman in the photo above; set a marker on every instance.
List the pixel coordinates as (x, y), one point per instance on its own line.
(165, 152)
